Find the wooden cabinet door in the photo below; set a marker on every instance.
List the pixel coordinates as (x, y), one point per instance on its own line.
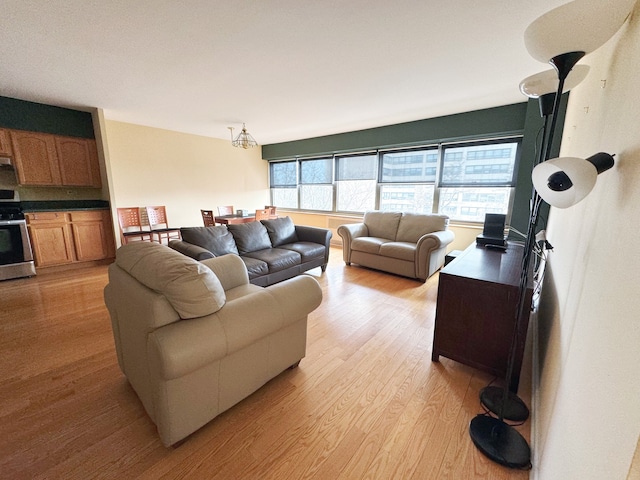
(50, 238)
(75, 161)
(92, 235)
(35, 158)
(5, 144)
(94, 164)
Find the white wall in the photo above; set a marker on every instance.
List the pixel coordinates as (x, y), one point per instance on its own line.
(186, 173)
(587, 415)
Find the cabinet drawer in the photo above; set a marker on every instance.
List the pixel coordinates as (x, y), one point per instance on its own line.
(46, 217)
(87, 216)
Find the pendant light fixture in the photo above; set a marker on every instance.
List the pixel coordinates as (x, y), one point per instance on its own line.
(244, 139)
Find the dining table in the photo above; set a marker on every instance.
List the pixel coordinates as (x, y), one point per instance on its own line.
(232, 219)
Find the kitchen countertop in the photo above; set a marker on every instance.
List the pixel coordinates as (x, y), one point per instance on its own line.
(62, 205)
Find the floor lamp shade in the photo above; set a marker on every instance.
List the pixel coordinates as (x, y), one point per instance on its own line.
(578, 26)
(563, 182)
(545, 82)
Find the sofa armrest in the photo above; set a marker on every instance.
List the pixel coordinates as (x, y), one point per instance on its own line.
(230, 270)
(316, 235)
(430, 252)
(190, 250)
(186, 346)
(348, 232)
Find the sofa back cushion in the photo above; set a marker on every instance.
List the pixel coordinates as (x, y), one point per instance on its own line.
(218, 240)
(382, 224)
(191, 288)
(250, 236)
(414, 225)
(281, 231)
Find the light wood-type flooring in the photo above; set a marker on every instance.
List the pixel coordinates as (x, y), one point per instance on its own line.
(366, 402)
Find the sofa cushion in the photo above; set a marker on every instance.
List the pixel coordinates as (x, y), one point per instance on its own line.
(399, 250)
(218, 240)
(368, 244)
(277, 258)
(414, 225)
(250, 236)
(382, 224)
(307, 250)
(255, 267)
(281, 231)
(191, 288)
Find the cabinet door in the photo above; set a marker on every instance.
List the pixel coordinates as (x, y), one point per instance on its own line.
(35, 158)
(94, 164)
(52, 244)
(5, 144)
(75, 161)
(92, 235)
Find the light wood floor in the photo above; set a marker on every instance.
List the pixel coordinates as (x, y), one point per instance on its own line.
(366, 402)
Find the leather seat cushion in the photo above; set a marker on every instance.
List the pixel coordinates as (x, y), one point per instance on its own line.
(399, 250)
(277, 258)
(307, 250)
(368, 244)
(255, 267)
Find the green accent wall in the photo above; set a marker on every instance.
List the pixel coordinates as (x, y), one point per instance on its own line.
(37, 117)
(516, 119)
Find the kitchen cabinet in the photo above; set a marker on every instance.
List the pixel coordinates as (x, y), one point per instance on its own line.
(73, 237)
(35, 158)
(51, 240)
(5, 143)
(42, 159)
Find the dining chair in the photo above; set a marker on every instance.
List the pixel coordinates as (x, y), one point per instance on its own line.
(272, 210)
(159, 225)
(227, 210)
(262, 214)
(131, 225)
(207, 218)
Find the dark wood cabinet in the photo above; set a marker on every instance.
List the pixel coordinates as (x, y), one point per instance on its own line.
(476, 310)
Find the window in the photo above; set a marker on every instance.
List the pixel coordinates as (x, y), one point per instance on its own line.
(283, 178)
(408, 180)
(462, 180)
(477, 178)
(356, 180)
(316, 184)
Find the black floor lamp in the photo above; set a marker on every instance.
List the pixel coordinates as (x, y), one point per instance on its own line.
(562, 37)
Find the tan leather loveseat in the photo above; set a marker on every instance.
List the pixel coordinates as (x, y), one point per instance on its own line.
(194, 338)
(408, 244)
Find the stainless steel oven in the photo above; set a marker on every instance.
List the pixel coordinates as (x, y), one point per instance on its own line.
(16, 258)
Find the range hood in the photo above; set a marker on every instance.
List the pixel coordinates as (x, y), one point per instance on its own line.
(5, 162)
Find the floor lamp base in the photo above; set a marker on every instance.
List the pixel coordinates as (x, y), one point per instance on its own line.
(514, 408)
(500, 442)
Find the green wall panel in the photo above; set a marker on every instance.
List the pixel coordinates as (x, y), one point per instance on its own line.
(37, 117)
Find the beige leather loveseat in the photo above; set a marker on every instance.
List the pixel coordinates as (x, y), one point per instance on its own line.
(194, 338)
(408, 244)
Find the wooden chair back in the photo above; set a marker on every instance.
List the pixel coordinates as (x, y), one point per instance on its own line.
(272, 209)
(160, 230)
(262, 214)
(132, 226)
(225, 210)
(208, 218)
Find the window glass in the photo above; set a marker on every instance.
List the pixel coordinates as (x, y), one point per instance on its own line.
(410, 166)
(470, 204)
(316, 171)
(404, 197)
(479, 164)
(284, 183)
(356, 183)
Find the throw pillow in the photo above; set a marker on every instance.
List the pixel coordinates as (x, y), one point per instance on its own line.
(281, 231)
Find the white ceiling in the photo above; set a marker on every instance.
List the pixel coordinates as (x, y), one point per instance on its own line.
(290, 69)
